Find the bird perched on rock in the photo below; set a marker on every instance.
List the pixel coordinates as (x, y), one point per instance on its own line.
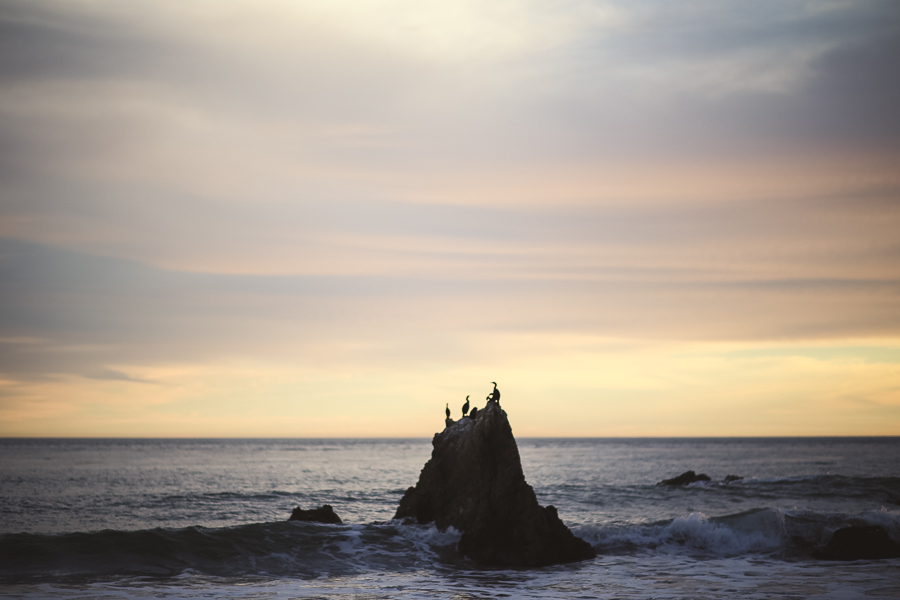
(466, 406)
(447, 410)
(495, 395)
(474, 413)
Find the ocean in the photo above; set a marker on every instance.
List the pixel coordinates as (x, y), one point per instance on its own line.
(207, 518)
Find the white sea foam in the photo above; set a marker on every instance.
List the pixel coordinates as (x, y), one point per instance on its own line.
(752, 532)
(428, 535)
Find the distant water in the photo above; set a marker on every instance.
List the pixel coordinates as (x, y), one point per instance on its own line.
(207, 518)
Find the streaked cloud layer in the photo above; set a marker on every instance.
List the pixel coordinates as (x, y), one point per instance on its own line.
(330, 218)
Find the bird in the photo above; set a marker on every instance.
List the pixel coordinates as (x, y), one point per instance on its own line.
(447, 410)
(466, 406)
(474, 412)
(495, 395)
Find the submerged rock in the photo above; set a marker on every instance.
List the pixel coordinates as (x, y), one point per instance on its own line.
(685, 478)
(474, 483)
(323, 514)
(859, 542)
(730, 478)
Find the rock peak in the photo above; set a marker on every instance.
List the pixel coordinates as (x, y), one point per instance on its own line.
(474, 482)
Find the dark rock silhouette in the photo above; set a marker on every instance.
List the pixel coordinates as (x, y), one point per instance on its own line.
(730, 478)
(474, 482)
(859, 542)
(323, 514)
(685, 478)
(494, 396)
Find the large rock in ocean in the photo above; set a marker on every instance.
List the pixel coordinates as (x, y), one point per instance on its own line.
(474, 482)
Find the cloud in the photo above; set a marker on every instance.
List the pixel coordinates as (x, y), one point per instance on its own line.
(352, 186)
(639, 80)
(65, 312)
(112, 375)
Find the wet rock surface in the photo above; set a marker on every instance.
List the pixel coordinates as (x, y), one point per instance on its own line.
(474, 483)
(323, 514)
(859, 542)
(685, 478)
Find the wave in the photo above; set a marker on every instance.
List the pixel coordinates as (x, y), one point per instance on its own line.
(775, 532)
(283, 549)
(310, 550)
(836, 488)
(882, 489)
(834, 483)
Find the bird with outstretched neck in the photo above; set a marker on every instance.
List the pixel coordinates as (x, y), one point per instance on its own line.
(466, 407)
(495, 395)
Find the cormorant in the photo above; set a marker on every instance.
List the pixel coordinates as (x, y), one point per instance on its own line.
(466, 407)
(495, 395)
(447, 410)
(474, 413)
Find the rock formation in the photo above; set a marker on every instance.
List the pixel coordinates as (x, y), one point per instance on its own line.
(323, 514)
(685, 478)
(474, 482)
(859, 542)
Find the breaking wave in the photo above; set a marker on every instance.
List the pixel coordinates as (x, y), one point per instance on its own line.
(310, 550)
(775, 532)
(283, 549)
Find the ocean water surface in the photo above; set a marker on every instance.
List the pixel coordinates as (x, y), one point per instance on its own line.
(208, 519)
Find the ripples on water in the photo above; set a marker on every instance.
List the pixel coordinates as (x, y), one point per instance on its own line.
(201, 518)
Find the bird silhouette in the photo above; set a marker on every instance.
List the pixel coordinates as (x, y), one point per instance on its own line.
(447, 410)
(466, 406)
(495, 395)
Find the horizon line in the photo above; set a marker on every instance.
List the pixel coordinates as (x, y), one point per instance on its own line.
(524, 437)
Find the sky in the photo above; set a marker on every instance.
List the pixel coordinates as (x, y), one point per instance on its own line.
(223, 218)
